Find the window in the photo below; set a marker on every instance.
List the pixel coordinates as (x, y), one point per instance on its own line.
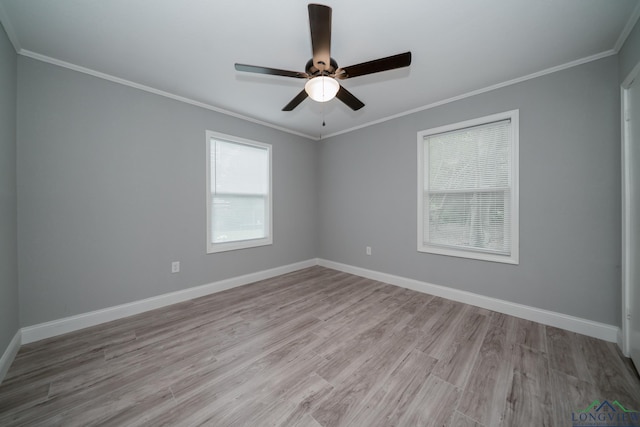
(238, 193)
(468, 189)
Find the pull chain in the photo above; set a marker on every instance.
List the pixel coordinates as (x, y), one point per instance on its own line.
(323, 123)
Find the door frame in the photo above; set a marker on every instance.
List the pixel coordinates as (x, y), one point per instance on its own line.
(624, 341)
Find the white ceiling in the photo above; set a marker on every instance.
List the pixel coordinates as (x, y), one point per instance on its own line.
(187, 48)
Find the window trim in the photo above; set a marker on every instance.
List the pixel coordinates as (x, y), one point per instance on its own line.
(241, 244)
(514, 256)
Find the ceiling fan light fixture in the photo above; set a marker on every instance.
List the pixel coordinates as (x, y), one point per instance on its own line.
(322, 88)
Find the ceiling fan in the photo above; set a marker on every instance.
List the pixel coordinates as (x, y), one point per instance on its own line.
(322, 71)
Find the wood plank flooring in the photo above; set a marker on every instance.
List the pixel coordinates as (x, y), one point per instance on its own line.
(316, 347)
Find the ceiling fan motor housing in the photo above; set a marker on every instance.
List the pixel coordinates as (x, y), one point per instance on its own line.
(313, 71)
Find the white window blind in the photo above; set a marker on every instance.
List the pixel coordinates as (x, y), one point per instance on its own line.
(238, 193)
(468, 189)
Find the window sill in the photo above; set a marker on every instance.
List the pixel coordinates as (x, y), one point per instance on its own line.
(480, 256)
(233, 246)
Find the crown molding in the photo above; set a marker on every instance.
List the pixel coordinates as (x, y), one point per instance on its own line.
(633, 18)
(483, 90)
(8, 28)
(11, 34)
(114, 79)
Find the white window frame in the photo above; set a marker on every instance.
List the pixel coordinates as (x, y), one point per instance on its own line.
(513, 257)
(239, 244)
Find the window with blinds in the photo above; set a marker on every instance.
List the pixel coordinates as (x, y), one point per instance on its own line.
(468, 189)
(238, 193)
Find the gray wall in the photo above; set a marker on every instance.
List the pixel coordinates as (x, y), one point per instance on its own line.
(111, 189)
(9, 319)
(629, 54)
(569, 195)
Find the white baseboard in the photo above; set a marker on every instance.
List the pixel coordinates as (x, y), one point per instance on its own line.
(620, 342)
(571, 323)
(41, 331)
(73, 323)
(9, 354)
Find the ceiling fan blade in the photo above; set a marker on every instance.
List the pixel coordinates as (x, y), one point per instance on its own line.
(296, 101)
(271, 71)
(347, 97)
(375, 66)
(320, 25)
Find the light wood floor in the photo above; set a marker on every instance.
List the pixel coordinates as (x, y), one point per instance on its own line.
(315, 348)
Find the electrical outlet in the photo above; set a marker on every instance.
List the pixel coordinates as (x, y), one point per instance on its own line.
(175, 267)
(368, 249)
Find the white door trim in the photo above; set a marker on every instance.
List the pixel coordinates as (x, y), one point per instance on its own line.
(626, 216)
